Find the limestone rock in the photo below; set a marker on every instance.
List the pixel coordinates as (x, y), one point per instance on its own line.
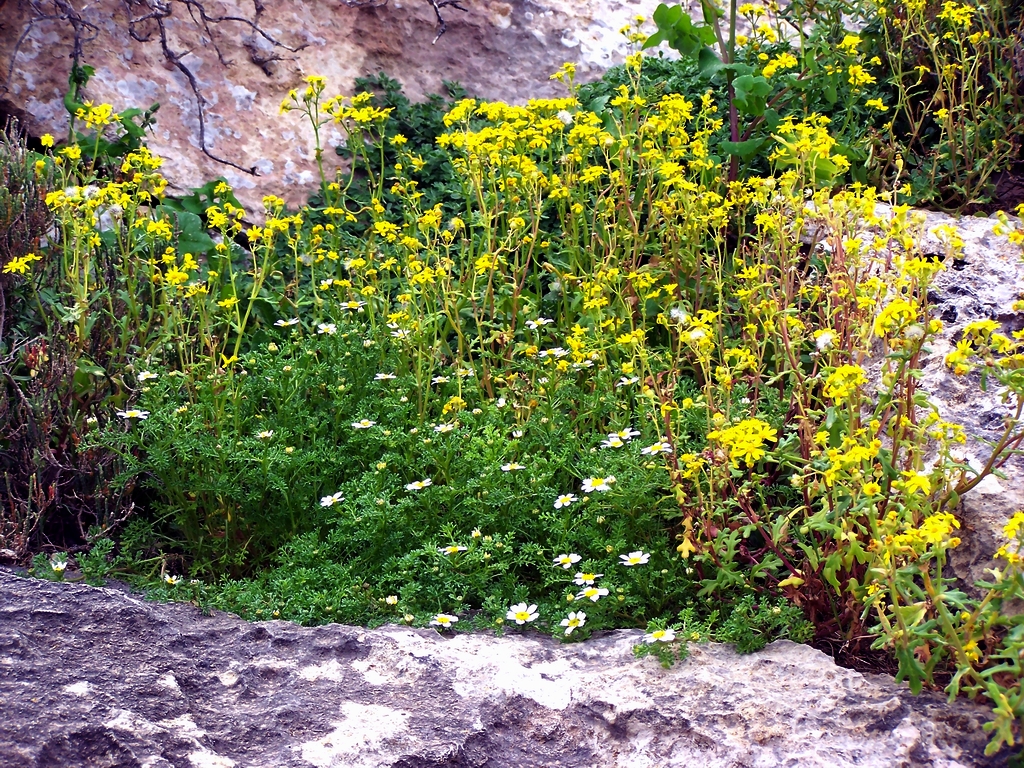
(95, 677)
(497, 50)
(984, 285)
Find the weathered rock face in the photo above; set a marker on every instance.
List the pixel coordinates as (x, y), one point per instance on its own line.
(984, 286)
(498, 50)
(95, 677)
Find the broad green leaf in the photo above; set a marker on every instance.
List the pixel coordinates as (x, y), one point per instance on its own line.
(751, 93)
(744, 149)
(667, 15)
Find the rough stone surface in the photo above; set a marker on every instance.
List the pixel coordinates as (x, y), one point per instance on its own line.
(983, 286)
(96, 677)
(498, 50)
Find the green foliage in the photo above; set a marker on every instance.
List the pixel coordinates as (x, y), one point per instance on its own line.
(238, 477)
(928, 95)
(96, 564)
(418, 124)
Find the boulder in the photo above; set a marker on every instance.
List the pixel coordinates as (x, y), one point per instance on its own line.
(496, 49)
(98, 677)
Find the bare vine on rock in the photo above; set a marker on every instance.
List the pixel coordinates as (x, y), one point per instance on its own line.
(437, 5)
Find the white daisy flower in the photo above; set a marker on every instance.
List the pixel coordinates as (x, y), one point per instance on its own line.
(334, 498)
(660, 636)
(599, 484)
(567, 560)
(443, 620)
(134, 413)
(662, 446)
(626, 434)
(521, 613)
(635, 558)
(575, 619)
(564, 500)
(591, 593)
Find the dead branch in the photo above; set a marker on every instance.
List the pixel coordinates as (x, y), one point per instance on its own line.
(442, 25)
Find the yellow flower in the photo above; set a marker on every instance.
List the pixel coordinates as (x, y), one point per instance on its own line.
(782, 61)
(858, 76)
(914, 482)
(46, 140)
(20, 265)
(745, 441)
(850, 44)
(897, 314)
(844, 381)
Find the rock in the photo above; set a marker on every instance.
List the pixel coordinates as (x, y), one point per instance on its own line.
(96, 677)
(497, 50)
(984, 285)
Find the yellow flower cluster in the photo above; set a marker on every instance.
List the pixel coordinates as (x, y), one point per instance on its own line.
(745, 441)
(784, 60)
(21, 265)
(1014, 533)
(934, 532)
(96, 117)
(844, 381)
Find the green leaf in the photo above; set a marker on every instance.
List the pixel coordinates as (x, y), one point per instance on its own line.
(832, 563)
(192, 236)
(751, 93)
(667, 15)
(712, 12)
(744, 149)
(655, 40)
(910, 670)
(708, 62)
